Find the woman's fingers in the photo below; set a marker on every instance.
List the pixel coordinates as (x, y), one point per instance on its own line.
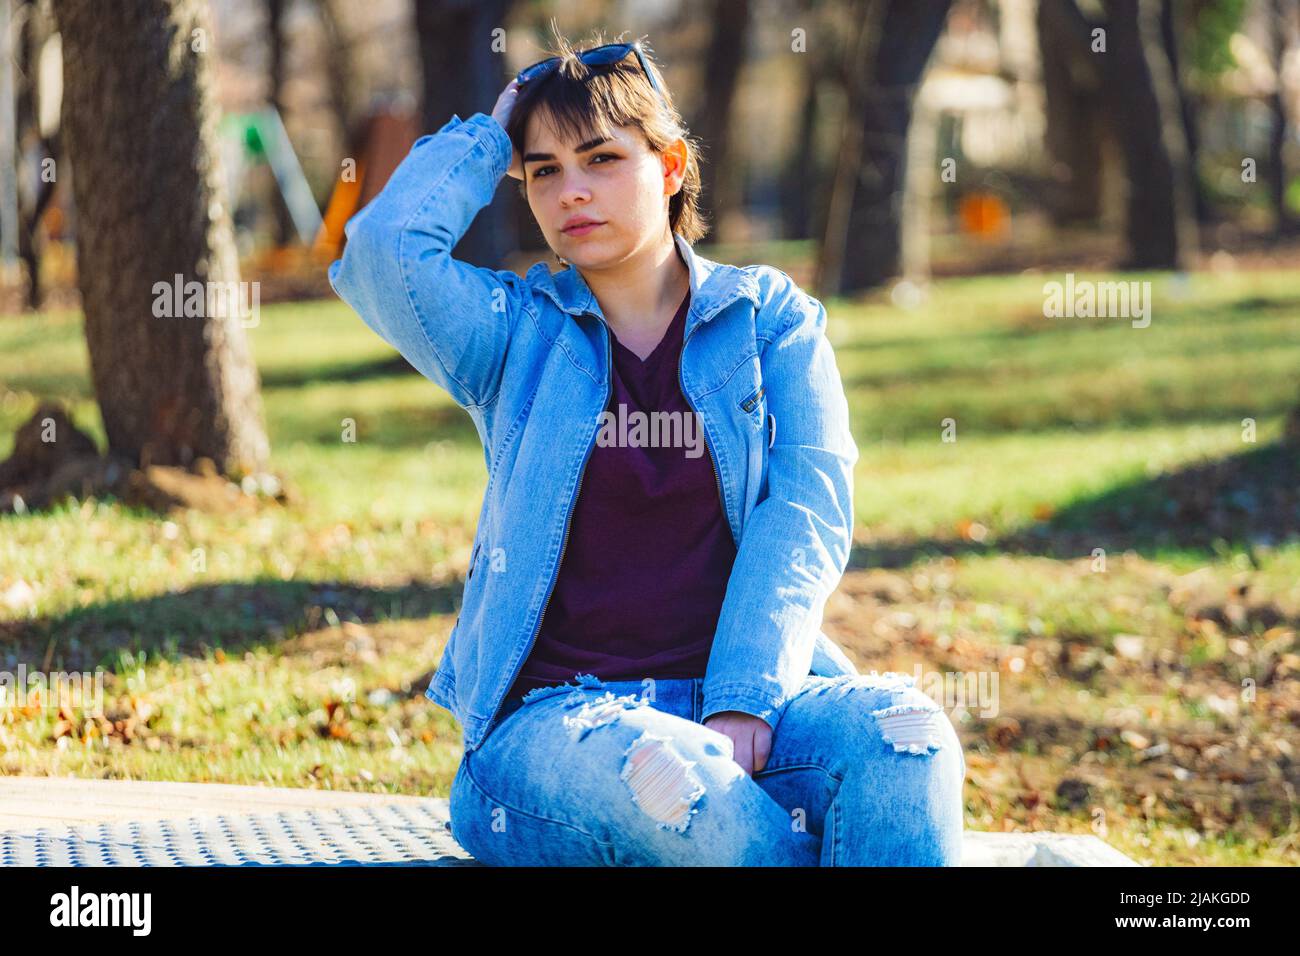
(501, 113)
(762, 745)
(751, 738)
(505, 103)
(745, 750)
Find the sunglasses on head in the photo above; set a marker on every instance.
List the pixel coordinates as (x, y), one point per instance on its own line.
(596, 56)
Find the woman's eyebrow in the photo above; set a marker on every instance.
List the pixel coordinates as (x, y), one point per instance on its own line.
(584, 148)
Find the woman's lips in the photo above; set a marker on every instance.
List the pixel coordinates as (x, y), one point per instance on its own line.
(582, 230)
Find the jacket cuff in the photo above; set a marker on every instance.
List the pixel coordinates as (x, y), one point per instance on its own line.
(488, 132)
(745, 698)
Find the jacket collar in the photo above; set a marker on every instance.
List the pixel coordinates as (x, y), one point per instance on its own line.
(714, 286)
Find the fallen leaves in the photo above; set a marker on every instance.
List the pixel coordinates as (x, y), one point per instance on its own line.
(131, 720)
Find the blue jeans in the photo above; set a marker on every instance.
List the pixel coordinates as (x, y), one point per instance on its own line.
(864, 770)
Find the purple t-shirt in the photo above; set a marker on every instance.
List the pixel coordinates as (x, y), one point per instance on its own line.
(645, 569)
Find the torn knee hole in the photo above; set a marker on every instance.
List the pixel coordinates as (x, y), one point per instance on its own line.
(663, 782)
(914, 728)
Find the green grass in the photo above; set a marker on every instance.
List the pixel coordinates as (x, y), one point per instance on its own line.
(293, 647)
(1048, 411)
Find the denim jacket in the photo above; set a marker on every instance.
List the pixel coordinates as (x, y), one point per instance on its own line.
(529, 360)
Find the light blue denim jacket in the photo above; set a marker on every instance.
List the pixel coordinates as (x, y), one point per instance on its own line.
(529, 360)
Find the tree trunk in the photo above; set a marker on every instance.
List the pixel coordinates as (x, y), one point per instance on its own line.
(462, 74)
(862, 247)
(1148, 114)
(1073, 138)
(31, 203)
(798, 182)
(801, 180)
(1173, 38)
(141, 129)
(285, 231)
(338, 63)
(720, 182)
(1143, 103)
(1276, 172)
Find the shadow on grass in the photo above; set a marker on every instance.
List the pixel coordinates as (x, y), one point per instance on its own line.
(406, 427)
(234, 616)
(299, 376)
(1230, 504)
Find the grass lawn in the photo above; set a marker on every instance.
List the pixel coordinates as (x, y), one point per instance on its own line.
(1100, 546)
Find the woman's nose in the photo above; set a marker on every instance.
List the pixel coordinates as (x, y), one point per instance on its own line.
(574, 190)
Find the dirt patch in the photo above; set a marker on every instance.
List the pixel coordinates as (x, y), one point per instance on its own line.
(1192, 725)
(53, 460)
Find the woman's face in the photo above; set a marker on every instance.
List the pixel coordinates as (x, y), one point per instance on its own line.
(620, 183)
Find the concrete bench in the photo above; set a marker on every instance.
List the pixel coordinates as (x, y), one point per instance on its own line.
(63, 821)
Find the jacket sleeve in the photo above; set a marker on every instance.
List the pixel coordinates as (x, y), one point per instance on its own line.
(796, 541)
(451, 320)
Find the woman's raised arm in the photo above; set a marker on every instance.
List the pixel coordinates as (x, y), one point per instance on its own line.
(451, 320)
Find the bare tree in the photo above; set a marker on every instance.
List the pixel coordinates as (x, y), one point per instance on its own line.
(863, 240)
(341, 74)
(277, 44)
(141, 126)
(719, 176)
(1127, 55)
(1074, 112)
(35, 147)
(1279, 28)
(463, 74)
(799, 178)
(1174, 33)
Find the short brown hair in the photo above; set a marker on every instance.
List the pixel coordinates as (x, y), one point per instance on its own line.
(583, 101)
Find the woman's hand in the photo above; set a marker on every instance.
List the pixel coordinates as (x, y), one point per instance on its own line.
(751, 738)
(501, 113)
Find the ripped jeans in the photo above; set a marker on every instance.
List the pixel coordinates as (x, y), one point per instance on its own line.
(864, 770)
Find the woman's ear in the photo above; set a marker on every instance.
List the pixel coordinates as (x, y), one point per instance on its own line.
(674, 159)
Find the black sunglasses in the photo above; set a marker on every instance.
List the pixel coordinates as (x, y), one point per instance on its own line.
(596, 56)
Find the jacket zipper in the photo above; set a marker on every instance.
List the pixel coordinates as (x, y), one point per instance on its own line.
(712, 460)
(568, 522)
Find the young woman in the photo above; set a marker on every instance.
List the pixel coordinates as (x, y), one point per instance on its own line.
(638, 665)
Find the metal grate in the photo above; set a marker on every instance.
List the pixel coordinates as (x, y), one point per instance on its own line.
(391, 834)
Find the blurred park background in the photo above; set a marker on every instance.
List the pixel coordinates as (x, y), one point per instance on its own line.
(258, 525)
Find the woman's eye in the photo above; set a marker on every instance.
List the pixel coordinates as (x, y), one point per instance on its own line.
(541, 171)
